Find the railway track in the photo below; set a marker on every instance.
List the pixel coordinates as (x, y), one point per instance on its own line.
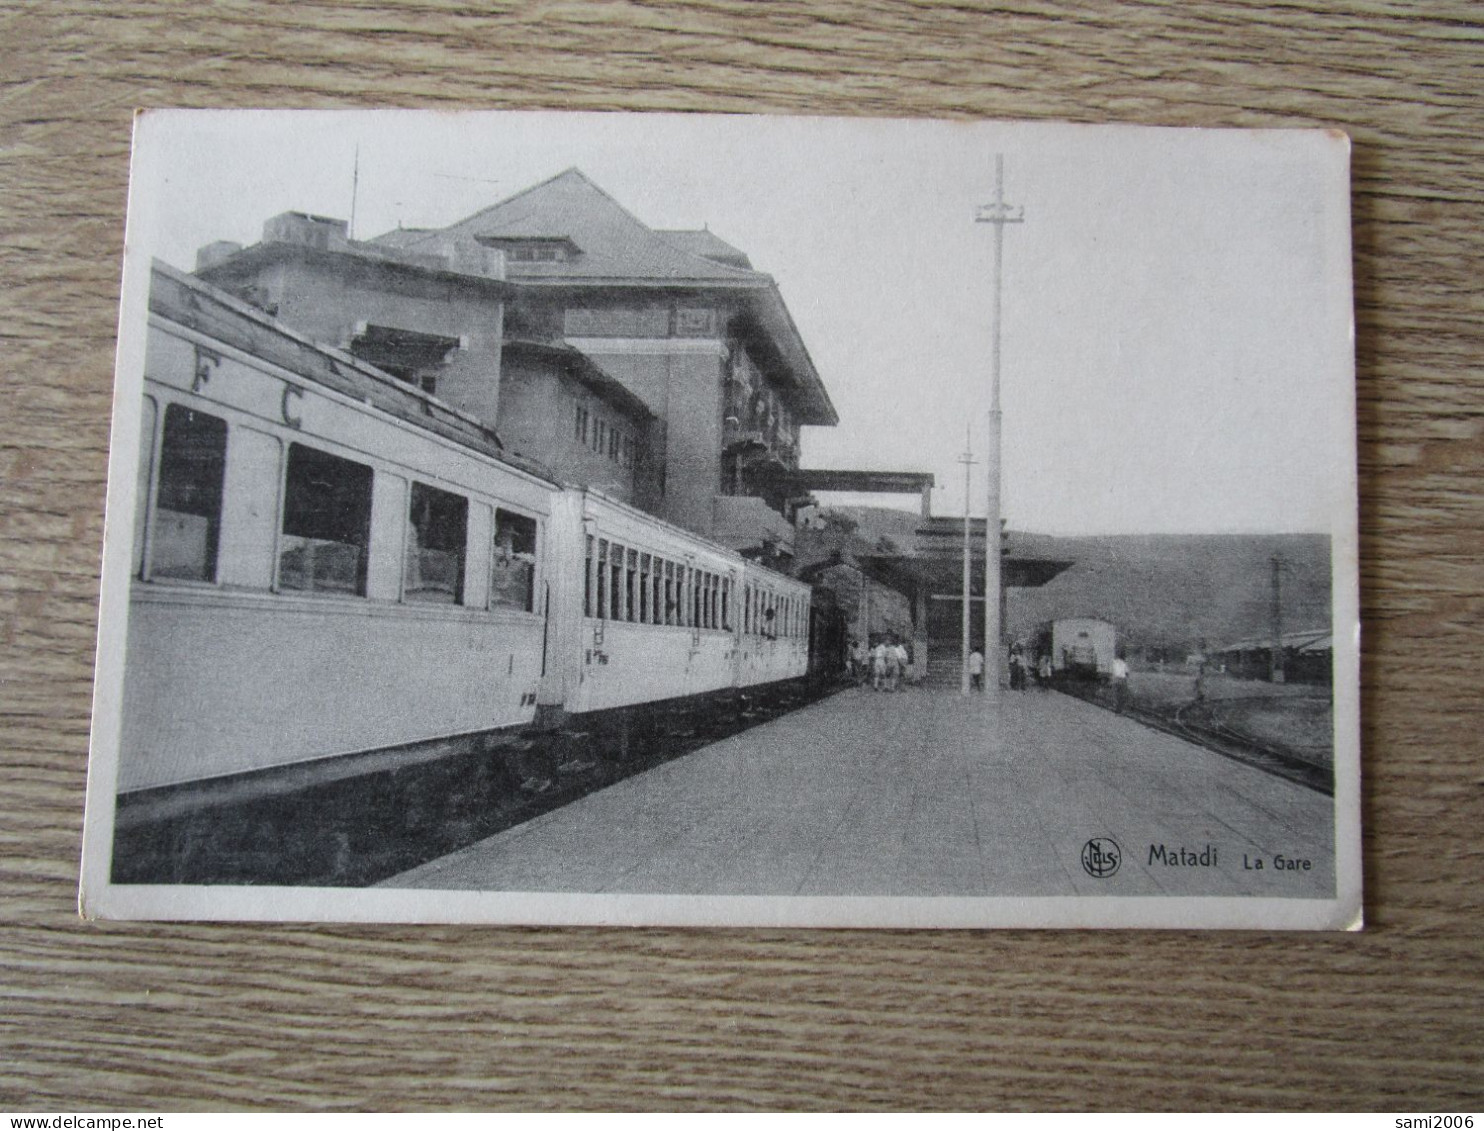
(1216, 736)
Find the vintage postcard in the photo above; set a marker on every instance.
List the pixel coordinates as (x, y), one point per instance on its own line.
(659, 519)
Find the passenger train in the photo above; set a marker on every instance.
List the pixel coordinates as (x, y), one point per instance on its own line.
(330, 561)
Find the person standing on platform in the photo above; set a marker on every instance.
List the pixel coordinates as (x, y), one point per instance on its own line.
(878, 665)
(1043, 671)
(1120, 683)
(976, 670)
(899, 658)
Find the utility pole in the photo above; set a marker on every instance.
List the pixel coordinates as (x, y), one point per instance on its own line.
(967, 459)
(1275, 666)
(999, 214)
(355, 187)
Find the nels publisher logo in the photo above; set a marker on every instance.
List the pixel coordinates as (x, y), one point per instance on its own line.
(1101, 857)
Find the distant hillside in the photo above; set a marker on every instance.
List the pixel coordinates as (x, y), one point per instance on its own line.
(1179, 589)
(1163, 589)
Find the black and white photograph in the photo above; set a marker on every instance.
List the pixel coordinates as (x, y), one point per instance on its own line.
(729, 520)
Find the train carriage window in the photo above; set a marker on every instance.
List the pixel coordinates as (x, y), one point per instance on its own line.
(437, 529)
(616, 555)
(631, 586)
(589, 573)
(513, 581)
(642, 599)
(603, 578)
(726, 603)
(188, 504)
(672, 607)
(326, 523)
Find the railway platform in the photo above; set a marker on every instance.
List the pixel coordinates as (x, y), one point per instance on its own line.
(922, 792)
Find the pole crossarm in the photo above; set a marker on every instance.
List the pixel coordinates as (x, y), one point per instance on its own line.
(1000, 213)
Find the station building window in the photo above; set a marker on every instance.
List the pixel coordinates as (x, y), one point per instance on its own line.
(188, 503)
(513, 581)
(326, 523)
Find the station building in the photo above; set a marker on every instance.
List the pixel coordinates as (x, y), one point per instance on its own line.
(657, 366)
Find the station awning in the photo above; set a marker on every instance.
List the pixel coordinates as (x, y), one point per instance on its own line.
(864, 482)
(941, 573)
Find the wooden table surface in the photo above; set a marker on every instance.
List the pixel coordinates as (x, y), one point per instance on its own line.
(154, 1018)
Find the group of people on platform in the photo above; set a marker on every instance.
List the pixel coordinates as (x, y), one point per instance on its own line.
(886, 663)
(1024, 670)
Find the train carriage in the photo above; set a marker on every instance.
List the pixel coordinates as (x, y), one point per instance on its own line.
(773, 628)
(324, 562)
(648, 612)
(328, 561)
(1083, 647)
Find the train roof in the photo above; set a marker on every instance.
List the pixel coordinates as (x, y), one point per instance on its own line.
(679, 531)
(197, 305)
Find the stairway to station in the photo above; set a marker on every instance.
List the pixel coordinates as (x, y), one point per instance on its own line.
(943, 667)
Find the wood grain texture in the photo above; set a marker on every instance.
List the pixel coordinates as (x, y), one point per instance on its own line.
(165, 1017)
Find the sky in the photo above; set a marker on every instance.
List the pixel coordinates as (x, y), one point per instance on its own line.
(1176, 346)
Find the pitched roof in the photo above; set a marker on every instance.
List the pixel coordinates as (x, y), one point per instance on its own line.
(401, 237)
(707, 244)
(615, 246)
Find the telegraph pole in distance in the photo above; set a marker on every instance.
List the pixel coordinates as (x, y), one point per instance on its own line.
(999, 214)
(968, 460)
